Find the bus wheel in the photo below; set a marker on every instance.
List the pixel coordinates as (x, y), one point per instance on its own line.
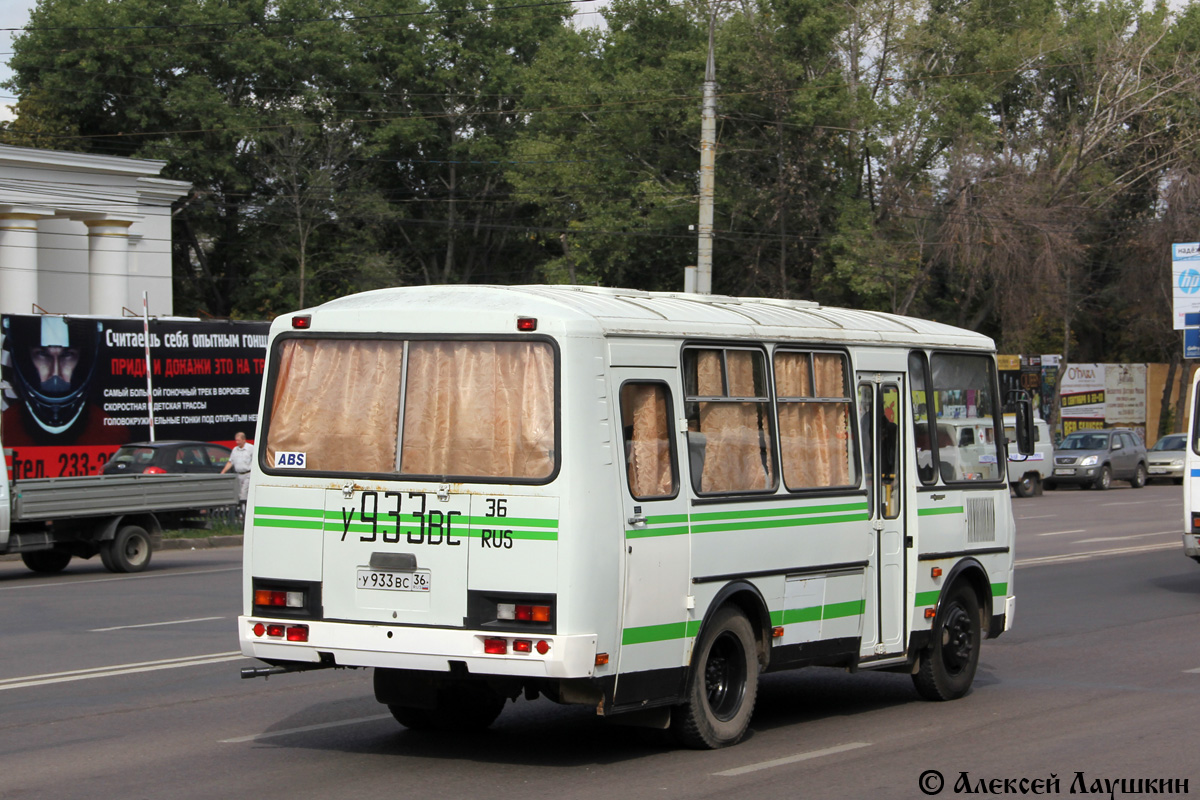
(467, 706)
(129, 551)
(723, 684)
(417, 719)
(1026, 486)
(948, 664)
(46, 560)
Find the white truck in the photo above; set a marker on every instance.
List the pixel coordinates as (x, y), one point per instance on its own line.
(48, 521)
(1026, 473)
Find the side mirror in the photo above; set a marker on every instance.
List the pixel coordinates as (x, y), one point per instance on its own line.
(1023, 406)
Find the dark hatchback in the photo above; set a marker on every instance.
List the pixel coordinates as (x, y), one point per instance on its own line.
(158, 458)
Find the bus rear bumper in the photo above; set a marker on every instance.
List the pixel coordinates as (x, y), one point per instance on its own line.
(1191, 545)
(429, 649)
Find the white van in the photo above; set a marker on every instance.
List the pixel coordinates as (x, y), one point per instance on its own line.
(1026, 472)
(628, 500)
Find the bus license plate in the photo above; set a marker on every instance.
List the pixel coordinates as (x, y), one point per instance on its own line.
(418, 581)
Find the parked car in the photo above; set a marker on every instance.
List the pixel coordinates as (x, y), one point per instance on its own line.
(1095, 458)
(170, 456)
(1165, 460)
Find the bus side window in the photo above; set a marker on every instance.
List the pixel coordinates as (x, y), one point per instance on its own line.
(816, 437)
(923, 441)
(645, 420)
(728, 409)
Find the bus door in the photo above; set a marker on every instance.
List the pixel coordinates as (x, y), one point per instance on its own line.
(880, 404)
(655, 616)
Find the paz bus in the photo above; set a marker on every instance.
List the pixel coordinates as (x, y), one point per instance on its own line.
(633, 501)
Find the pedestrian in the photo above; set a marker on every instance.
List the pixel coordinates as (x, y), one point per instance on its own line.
(239, 461)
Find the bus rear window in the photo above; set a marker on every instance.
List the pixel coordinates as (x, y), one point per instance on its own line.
(435, 409)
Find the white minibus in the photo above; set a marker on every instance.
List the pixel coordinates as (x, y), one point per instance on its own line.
(634, 501)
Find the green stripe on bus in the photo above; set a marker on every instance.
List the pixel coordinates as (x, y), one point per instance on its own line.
(927, 598)
(999, 590)
(781, 512)
(277, 511)
(270, 522)
(660, 633)
(934, 512)
(456, 530)
(791, 616)
(646, 533)
(763, 524)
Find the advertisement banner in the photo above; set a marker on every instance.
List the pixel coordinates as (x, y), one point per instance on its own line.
(74, 388)
(1082, 400)
(1185, 280)
(1125, 394)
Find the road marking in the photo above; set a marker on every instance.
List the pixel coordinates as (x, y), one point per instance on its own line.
(1133, 503)
(1191, 671)
(1040, 516)
(138, 577)
(1034, 562)
(257, 736)
(1060, 533)
(1123, 538)
(118, 669)
(152, 624)
(779, 762)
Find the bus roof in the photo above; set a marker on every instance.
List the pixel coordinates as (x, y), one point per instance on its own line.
(624, 312)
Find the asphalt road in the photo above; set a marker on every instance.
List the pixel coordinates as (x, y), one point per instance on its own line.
(127, 687)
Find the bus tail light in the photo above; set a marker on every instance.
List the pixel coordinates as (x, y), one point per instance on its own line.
(1196, 522)
(522, 612)
(297, 633)
(495, 646)
(522, 646)
(278, 598)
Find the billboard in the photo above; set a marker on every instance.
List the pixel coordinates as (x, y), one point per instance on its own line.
(1185, 280)
(74, 388)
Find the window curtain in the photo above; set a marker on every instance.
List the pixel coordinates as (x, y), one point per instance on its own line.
(814, 437)
(480, 409)
(650, 473)
(736, 446)
(337, 401)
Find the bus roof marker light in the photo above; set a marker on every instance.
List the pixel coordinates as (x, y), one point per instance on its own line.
(302, 322)
(527, 324)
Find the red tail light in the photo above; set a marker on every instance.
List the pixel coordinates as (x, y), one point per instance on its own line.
(297, 633)
(497, 647)
(154, 471)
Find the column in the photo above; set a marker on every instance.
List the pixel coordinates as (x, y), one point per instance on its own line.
(108, 265)
(19, 259)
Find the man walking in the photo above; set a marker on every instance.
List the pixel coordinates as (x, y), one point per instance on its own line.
(239, 461)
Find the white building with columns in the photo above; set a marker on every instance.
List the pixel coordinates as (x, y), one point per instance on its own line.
(84, 234)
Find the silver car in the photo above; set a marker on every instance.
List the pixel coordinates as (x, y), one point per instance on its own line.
(1096, 458)
(1165, 459)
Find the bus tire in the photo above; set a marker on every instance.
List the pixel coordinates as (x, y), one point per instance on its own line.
(46, 561)
(723, 684)
(129, 550)
(416, 719)
(467, 706)
(948, 665)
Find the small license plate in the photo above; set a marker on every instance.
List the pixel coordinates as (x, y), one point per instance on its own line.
(1064, 472)
(417, 581)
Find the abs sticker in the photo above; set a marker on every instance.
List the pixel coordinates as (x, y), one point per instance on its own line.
(285, 460)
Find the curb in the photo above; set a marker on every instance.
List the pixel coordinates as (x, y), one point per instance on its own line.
(175, 544)
(203, 543)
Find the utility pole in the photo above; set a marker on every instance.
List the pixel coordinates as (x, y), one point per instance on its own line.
(708, 157)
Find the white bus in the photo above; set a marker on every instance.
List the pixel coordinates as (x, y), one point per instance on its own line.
(629, 500)
(1191, 480)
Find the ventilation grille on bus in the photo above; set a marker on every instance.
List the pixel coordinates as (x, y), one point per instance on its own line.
(981, 519)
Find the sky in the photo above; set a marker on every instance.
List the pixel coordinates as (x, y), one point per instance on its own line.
(13, 14)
